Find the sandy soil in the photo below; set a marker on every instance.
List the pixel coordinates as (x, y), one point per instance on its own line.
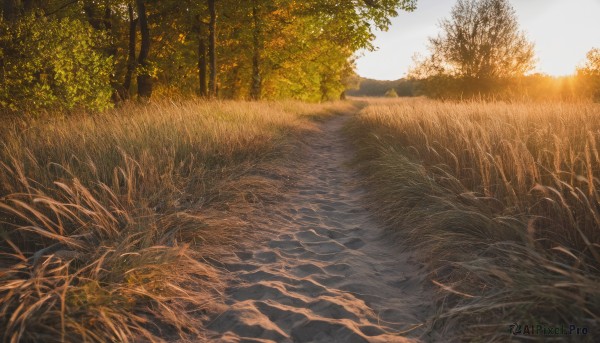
(327, 273)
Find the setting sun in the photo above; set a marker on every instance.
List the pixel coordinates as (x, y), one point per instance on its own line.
(562, 31)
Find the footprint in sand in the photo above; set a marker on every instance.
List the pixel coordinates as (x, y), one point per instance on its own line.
(326, 276)
(355, 243)
(266, 257)
(304, 270)
(310, 236)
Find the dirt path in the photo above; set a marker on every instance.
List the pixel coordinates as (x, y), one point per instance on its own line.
(327, 274)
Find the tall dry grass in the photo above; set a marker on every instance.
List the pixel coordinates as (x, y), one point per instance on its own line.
(107, 221)
(502, 202)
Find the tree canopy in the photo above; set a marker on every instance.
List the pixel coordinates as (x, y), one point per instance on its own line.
(480, 45)
(53, 63)
(592, 64)
(105, 51)
(589, 74)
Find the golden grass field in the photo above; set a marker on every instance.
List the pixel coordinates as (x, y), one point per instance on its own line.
(501, 200)
(111, 225)
(107, 221)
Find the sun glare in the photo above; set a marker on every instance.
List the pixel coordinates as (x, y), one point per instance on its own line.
(562, 31)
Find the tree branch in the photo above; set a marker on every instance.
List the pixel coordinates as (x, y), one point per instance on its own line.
(372, 3)
(63, 6)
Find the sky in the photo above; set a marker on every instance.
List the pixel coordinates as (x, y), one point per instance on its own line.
(563, 31)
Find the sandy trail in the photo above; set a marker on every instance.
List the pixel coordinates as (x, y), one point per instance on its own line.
(327, 274)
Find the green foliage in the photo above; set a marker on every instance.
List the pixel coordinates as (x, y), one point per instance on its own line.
(353, 23)
(299, 59)
(78, 55)
(305, 48)
(53, 64)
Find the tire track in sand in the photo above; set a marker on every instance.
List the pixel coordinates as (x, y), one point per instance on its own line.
(327, 274)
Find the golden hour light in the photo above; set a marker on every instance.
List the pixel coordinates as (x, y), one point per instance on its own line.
(317, 171)
(562, 32)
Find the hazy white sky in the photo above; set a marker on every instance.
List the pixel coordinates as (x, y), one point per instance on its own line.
(563, 32)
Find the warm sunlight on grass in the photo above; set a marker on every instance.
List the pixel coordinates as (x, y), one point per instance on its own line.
(500, 199)
(106, 221)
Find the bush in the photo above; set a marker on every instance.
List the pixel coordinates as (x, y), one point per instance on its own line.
(391, 93)
(52, 64)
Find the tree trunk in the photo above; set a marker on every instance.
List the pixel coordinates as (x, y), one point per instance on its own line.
(256, 89)
(107, 17)
(131, 54)
(212, 53)
(144, 79)
(100, 19)
(203, 91)
(11, 9)
(90, 8)
(29, 5)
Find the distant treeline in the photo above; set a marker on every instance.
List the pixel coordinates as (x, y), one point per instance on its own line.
(530, 87)
(379, 88)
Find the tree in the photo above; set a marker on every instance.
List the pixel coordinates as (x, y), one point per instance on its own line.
(265, 49)
(52, 64)
(391, 93)
(352, 23)
(202, 71)
(130, 53)
(480, 44)
(592, 64)
(589, 74)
